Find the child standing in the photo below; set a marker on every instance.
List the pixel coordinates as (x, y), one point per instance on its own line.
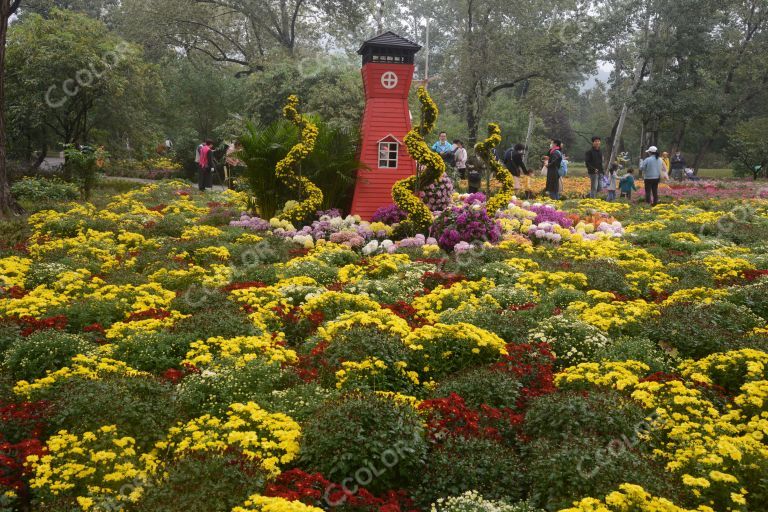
(627, 184)
(612, 179)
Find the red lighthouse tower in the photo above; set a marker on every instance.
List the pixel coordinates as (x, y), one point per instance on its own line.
(387, 74)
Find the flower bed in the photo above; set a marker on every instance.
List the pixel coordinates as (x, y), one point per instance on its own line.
(575, 355)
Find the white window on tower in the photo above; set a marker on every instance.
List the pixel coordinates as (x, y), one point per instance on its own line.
(388, 150)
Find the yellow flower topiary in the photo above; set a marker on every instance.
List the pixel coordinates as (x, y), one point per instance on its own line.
(403, 192)
(484, 151)
(287, 168)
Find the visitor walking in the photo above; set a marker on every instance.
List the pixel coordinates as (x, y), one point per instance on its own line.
(444, 148)
(667, 164)
(553, 169)
(205, 162)
(677, 168)
(594, 162)
(612, 182)
(563, 172)
(627, 184)
(514, 161)
(460, 158)
(651, 169)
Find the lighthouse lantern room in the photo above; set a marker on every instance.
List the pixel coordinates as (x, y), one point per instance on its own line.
(388, 67)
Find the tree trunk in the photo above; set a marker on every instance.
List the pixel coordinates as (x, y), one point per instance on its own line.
(528, 135)
(8, 206)
(616, 139)
(40, 158)
(679, 135)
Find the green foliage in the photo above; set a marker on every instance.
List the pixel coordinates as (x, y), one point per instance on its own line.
(748, 149)
(604, 414)
(83, 166)
(588, 466)
(332, 165)
(212, 482)
(70, 80)
(43, 351)
(478, 464)
(212, 392)
(638, 349)
(697, 330)
(365, 431)
(141, 407)
(482, 386)
(753, 296)
(152, 352)
(40, 190)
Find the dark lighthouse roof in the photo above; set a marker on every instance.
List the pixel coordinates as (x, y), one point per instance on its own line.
(389, 47)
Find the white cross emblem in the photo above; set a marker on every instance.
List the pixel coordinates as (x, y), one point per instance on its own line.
(389, 80)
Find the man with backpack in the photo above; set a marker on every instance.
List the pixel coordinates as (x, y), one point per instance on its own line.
(594, 162)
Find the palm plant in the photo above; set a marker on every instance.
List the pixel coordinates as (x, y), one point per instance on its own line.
(262, 148)
(332, 166)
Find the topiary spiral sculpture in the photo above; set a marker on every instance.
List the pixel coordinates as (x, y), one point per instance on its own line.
(287, 169)
(484, 150)
(404, 191)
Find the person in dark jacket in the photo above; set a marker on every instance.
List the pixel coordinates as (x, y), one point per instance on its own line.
(594, 161)
(513, 160)
(553, 168)
(678, 166)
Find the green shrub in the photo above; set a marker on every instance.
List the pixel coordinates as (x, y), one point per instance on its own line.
(361, 343)
(511, 326)
(500, 272)
(223, 319)
(560, 298)
(697, 330)
(10, 334)
(753, 296)
(321, 272)
(604, 415)
(482, 386)
(362, 435)
(212, 392)
(141, 407)
(638, 349)
(300, 402)
(560, 472)
(43, 351)
(211, 482)
(44, 190)
(84, 312)
(478, 464)
(508, 296)
(604, 275)
(152, 352)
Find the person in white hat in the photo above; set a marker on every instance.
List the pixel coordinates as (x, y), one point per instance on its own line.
(651, 169)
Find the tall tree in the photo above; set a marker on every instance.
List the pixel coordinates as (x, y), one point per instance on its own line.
(504, 45)
(250, 33)
(69, 75)
(8, 206)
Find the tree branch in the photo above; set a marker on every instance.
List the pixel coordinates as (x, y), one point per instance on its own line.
(509, 85)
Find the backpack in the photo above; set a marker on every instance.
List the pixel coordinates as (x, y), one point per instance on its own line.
(450, 158)
(605, 181)
(563, 170)
(197, 153)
